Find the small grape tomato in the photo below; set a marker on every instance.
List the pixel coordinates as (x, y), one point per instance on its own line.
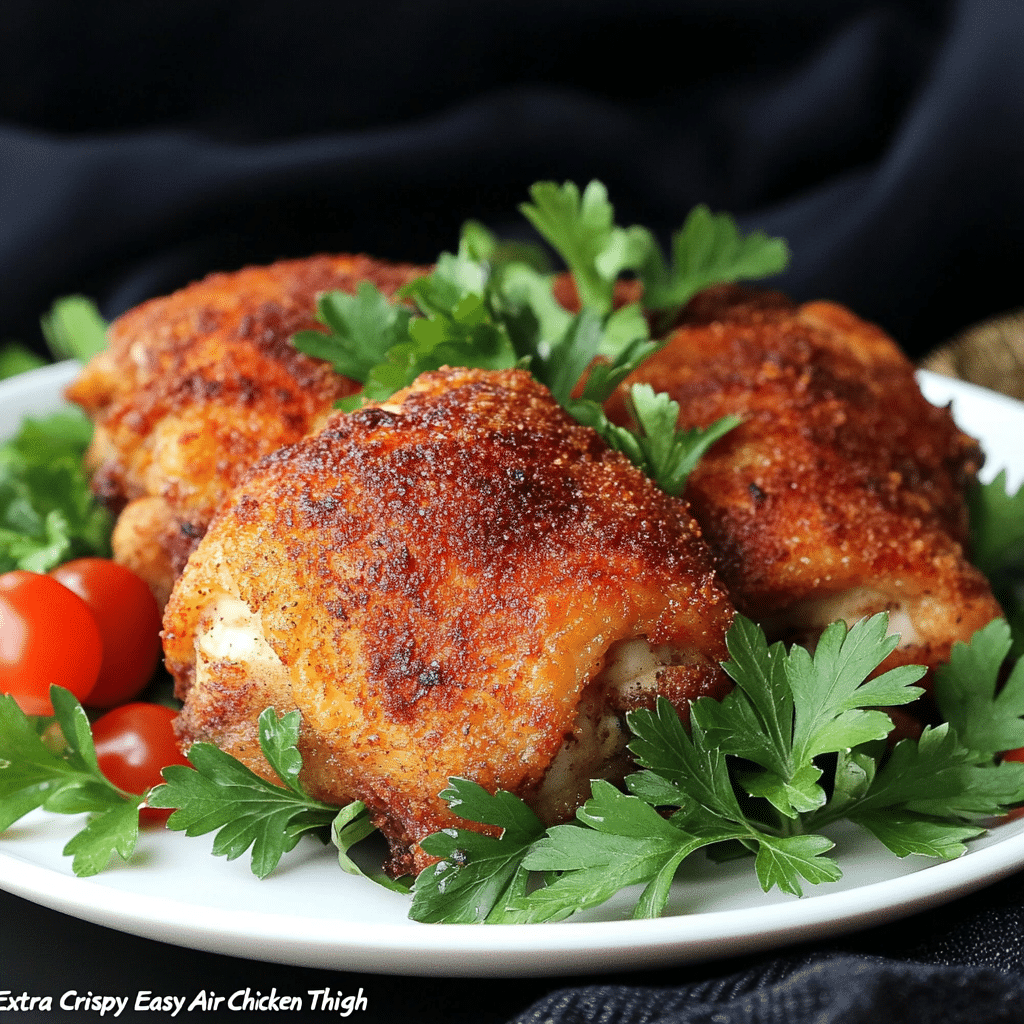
(128, 618)
(134, 743)
(47, 635)
(1014, 755)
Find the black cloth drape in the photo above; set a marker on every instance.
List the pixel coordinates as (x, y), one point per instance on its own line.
(141, 148)
(143, 145)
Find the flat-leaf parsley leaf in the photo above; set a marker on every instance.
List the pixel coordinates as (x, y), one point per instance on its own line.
(221, 794)
(51, 763)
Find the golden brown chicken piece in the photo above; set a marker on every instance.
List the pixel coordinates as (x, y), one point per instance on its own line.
(462, 581)
(196, 386)
(842, 492)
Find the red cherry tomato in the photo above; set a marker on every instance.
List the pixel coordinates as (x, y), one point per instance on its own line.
(47, 635)
(1014, 755)
(128, 618)
(134, 743)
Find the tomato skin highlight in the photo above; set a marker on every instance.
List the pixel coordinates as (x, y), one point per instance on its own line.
(47, 635)
(134, 743)
(129, 622)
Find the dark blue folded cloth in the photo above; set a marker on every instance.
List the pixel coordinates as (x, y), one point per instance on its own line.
(840, 989)
(883, 140)
(140, 150)
(958, 964)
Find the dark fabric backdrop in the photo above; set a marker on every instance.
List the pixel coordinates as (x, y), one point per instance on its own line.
(143, 145)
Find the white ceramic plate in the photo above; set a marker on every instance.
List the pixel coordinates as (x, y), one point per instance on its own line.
(311, 913)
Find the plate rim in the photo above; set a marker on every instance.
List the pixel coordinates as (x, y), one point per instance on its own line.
(469, 950)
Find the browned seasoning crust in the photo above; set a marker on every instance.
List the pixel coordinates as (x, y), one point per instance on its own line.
(842, 493)
(196, 386)
(435, 583)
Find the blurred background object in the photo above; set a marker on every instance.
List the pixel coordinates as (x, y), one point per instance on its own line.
(990, 354)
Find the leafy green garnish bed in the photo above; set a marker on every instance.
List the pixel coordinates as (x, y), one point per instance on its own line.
(48, 513)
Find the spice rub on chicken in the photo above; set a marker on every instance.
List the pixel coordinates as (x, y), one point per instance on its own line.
(462, 581)
(841, 494)
(197, 386)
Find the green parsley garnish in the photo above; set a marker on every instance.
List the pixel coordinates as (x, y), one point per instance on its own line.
(74, 328)
(64, 777)
(800, 743)
(48, 513)
(665, 453)
(220, 793)
(16, 357)
(582, 230)
(479, 875)
(997, 526)
(986, 710)
(708, 249)
(490, 306)
(362, 329)
(997, 547)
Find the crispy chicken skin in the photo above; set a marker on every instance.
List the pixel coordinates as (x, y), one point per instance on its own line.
(198, 385)
(461, 581)
(842, 492)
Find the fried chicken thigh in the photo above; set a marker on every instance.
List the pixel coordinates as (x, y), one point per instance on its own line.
(842, 492)
(462, 581)
(197, 386)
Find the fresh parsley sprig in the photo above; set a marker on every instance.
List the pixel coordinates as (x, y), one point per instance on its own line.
(798, 744)
(581, 228)
(385, 345)
(708, 249)
(58, 772)
(362, 328)
(74, 328)
(986, 710)
(997, 526)
(479, 877)
(791, 707)
(48, 513)
(479, 310)
(16, 357)
(997, 547)
(219, 793)
(665, 453)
